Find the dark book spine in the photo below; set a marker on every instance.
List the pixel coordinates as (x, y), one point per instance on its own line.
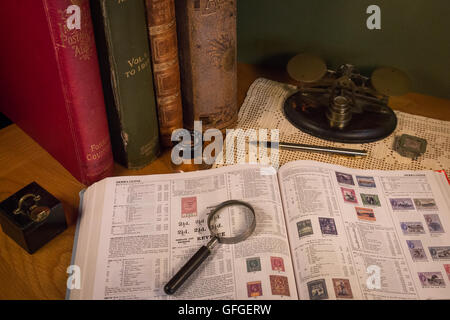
(166, 69)
(207, 45)
(124, 55)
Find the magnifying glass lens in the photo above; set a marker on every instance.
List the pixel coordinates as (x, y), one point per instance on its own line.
(231, 223)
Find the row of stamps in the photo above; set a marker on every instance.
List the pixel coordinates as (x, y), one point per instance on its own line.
(279, 286)
(347, 179)
(317, 289)
(398, 204)
(254, 264)
(408, 204)
(416, 227)
(418, 252)
(327, 227)
(349, 196)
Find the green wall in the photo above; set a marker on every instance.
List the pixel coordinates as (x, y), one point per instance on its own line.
(415, 36)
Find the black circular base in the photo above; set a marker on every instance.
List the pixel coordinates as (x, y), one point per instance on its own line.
(364, 127)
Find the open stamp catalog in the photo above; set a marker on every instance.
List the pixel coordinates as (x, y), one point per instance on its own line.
(323, 232)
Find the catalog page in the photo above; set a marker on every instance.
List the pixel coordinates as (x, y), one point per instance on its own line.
(359, 234)
(152, 225)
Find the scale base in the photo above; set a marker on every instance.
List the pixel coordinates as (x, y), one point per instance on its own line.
(365, 127)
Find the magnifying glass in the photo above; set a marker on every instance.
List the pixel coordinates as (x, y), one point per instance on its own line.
(229, 223)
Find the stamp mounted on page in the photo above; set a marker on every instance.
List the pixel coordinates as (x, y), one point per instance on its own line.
(431, 279)
(440, 253)
(416, 250)
(412, 228)
(188, 207)
(254, 289)
(342, 288)
(344, 178)
(317, 290)
(277, 264)
(349, 195)
(434, 223)
(279, 285)
(304, 228)
(328, 226)
(253, 264)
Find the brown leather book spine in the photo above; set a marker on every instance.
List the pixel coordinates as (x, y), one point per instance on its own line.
(207, 45)
(166, 69)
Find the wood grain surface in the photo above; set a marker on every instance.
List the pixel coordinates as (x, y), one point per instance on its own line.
(22, 161)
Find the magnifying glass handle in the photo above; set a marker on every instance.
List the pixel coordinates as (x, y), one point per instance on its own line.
(185, 272)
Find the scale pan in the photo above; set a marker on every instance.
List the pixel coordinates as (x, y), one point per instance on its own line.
(390, 81)
(307, 68)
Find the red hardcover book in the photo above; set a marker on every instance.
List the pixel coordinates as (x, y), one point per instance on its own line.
(50, 83)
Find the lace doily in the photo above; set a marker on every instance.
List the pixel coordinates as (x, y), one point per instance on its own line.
(263, 109)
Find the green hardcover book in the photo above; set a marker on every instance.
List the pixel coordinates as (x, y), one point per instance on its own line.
(124, 55)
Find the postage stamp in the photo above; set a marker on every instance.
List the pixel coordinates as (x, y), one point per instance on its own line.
(416, 250)
(304, 228)
(344, 178)
(277, 264)
(440, 253)
(399, 204)
(411, 228)
(365, 214)
(342, 288)
(280, 286)
(447, 270)
(254, 289)
(253, 264)
(317, 290)
(188, 207)
(349, 195)
(425, 204)
(434, 223)
(431, 279)
(370, 200)
(366, 182)
(328, 226)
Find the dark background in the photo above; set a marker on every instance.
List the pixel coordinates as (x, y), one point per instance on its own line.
(414, 36)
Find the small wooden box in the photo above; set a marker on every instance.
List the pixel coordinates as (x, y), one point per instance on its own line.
(32, 217)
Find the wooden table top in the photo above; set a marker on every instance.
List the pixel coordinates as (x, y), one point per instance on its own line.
(22, 161)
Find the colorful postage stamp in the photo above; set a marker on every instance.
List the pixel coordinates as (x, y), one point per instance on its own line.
(434, 223)
(277, 264)
(317, 290)
(253, 264)
(342, 288)
(279, 285)
(370, 200)
(411, 228)
(254, 289)
(188, 207)
(425, 204)
(344, 178)
(349, 195)
(431, 279)
(328, 226)
(447, 270)
(304, 228)
(365, 214)
(440, 253)
(366, 182)
(399, 204)
(416, 250)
